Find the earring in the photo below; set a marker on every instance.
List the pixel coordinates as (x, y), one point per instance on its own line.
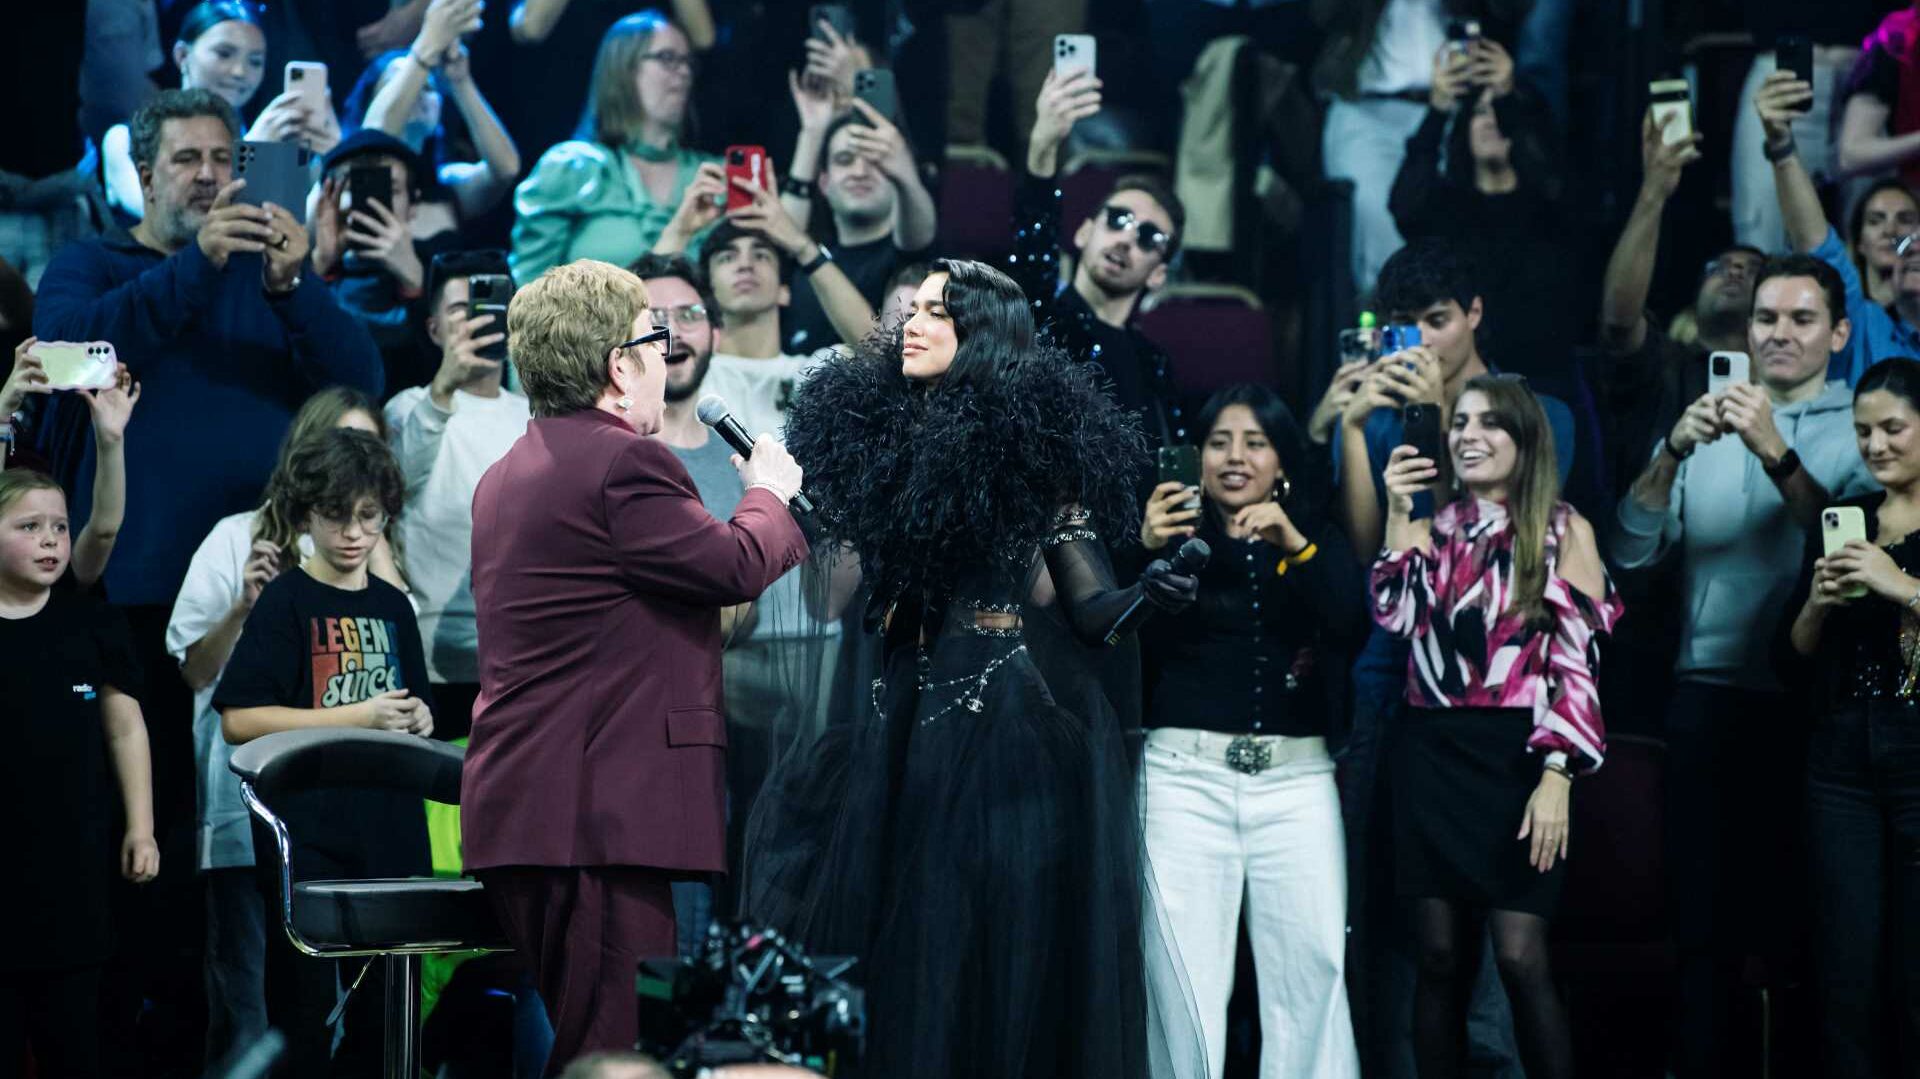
(1286, 489)
(624, 404)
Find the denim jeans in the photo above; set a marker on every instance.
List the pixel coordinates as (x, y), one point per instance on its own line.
(1863, 812)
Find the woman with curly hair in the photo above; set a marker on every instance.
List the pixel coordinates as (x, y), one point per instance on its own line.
(970, 834)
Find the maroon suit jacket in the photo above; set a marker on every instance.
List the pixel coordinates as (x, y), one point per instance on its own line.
(598, 578)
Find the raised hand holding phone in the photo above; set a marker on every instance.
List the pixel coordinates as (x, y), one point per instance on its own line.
(112, 406)
(233, 227)
(1407, 474)
(29, 375)
(1170, 515)
(1064, 101)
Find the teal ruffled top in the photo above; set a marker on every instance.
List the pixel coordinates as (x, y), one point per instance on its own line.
(585, 200)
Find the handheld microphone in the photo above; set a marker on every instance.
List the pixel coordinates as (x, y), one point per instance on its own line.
(714, 413)
(1188, 561)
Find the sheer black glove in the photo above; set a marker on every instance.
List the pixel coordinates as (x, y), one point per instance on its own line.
(1167, 590)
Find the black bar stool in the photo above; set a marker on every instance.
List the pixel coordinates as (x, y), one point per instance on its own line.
(399, 920)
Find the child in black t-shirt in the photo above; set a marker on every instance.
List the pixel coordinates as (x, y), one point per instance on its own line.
(67, 717)
(332, 646)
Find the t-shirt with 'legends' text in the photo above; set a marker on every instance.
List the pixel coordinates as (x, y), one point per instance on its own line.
(311, 645)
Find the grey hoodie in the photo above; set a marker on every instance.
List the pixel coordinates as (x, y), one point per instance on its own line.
(1741, 551)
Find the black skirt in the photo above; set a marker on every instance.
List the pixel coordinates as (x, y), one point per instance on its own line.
(1462, 777)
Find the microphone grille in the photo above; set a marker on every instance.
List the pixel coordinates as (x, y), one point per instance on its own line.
(1193, 554)
(712, 409)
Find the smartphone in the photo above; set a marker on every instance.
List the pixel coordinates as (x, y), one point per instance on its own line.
(1398, 337)
(1357, 344)
(1420, 428)
(1672, 97)
(1462, 33)
(747, 163)
(489, 294)
(1838, 526)
(367, 184)
(308, 78)
(1794, 53)
(838, 16)
(77, 365)
(276, 172)
(1181, 464)
(875, 86)
(1727, 368)
(1071, 53)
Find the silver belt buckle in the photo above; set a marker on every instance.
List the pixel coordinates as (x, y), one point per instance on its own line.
(1247, 755)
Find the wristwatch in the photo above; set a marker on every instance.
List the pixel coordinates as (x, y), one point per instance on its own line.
(825, 256)
(280, 293)
(1788, 464)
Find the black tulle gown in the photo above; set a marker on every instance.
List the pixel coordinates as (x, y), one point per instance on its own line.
(970, 833)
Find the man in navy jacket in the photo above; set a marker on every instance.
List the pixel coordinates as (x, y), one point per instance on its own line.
(209, 302)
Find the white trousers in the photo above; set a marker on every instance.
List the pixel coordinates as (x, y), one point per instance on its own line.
(1218, 839)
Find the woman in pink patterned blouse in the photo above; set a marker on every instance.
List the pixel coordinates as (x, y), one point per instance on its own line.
(1503, 595)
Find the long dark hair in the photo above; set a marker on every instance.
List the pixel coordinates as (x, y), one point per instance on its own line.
(205, 16)
(1899, 376)
(992, 321)
(1277, 422)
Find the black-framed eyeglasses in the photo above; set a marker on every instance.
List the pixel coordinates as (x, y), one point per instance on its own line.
(1148, 236)
(673, 59)
(663, 335)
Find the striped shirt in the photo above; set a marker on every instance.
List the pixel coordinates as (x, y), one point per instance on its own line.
(1470, 651)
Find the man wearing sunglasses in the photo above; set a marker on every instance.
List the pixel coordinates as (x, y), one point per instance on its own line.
(446, 435)
(1123, 250)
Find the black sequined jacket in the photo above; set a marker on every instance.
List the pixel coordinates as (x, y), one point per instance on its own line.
(1068, 319)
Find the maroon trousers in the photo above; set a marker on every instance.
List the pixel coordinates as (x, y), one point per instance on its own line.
(583, 932)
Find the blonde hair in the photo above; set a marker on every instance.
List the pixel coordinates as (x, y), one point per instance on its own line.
(563, 325)
(614, 114)
(15, 482)
(1534, 489)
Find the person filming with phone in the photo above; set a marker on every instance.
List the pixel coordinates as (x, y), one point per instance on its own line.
(364, 247)
(1853, 637)
(1124, 248)
(446, 434)
(213, 307)
(1504, 598)
(1730, 491)
(1240, 806)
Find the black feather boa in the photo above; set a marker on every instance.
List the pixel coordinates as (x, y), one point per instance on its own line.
(926, 483)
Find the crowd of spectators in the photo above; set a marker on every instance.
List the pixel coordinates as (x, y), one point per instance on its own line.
(1504, 520)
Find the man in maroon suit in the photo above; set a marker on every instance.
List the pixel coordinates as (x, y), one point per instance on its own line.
(596, 771)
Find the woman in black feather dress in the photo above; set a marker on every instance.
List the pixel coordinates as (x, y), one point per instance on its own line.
(971, 834)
